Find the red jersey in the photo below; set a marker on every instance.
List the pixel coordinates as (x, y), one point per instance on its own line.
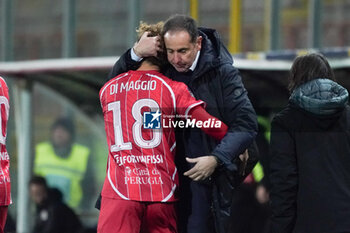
(141, 163)
(5, 185)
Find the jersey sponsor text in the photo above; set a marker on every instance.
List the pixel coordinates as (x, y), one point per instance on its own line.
(148, 159)
(143, 180)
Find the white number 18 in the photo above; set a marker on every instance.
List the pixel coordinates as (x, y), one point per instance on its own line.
(136, 128)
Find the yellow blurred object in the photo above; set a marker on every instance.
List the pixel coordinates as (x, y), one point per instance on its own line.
(194, 9)
(254, 56)
(258, 172)
(235, 26)
(302, 52)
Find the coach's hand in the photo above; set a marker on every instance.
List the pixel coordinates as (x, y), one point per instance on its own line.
(203, 168)
(147, 46)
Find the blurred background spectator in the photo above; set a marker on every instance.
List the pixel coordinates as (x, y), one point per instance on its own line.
(52, 215)
(65, 164)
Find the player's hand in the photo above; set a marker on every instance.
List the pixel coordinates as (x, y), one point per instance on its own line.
(203, 168)
(147, 46)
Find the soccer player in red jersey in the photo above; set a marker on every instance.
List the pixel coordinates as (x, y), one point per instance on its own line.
(5, 185)
(139, 191)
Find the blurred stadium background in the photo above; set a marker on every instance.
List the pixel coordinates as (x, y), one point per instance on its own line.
(55, 55)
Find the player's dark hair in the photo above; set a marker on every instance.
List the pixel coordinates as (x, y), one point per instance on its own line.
(308, 67)
(181, 23)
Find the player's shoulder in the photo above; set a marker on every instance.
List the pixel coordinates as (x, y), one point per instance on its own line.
(177, 85)
(103, 88)
(122, 75)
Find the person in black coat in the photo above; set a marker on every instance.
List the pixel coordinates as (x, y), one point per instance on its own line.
(198, 58)
(52, 215)
(310, 153)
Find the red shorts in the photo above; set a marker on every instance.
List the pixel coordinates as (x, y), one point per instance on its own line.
(121, 216)
(3, 216)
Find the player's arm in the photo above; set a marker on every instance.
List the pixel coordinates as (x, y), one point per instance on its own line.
(130, 60)
(198, 113)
